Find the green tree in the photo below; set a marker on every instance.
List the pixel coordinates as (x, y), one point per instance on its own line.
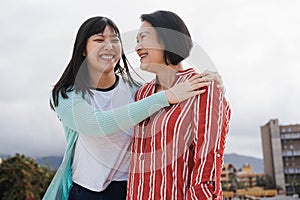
(269, 182)
(250, 178)
(260, 181)
(241, 185)
(21, 178)
(233, 182)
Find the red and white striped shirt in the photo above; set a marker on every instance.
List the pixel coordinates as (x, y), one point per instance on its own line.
(177, 153)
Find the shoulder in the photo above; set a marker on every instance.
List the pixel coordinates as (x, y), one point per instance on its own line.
(71, 97)
(184, 75)
(145, 90)
(148, 85)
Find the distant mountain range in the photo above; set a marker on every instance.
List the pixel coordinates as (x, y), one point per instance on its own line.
(238, 161)
(232, 158)
(52, 161)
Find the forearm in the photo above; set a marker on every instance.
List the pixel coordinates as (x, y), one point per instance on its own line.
(77, 114)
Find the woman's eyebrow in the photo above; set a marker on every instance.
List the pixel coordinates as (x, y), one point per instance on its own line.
(101, 35)
(142, 32)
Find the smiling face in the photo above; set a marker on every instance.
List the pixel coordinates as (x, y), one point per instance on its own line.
(149, 48)
(103, 51)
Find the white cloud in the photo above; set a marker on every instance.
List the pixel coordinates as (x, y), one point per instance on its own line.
(253, 44)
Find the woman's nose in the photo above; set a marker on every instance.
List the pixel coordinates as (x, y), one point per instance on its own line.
(138, 46)
(108, 45)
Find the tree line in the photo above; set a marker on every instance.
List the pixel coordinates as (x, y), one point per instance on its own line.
(22, 178)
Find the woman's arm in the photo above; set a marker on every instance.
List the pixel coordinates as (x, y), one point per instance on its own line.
(77, 114)
(211, 115)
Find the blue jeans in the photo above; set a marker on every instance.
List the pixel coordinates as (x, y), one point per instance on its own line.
(116, 190)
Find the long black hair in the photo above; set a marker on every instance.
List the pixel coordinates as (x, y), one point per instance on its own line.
(173, 32)
(75, 77)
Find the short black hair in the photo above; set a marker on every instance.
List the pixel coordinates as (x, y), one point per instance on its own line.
(174, 34)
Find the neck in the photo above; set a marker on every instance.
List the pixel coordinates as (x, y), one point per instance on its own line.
(167, 75)
(102, 80)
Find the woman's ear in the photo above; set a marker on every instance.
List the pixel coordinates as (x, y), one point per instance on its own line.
(84, 53)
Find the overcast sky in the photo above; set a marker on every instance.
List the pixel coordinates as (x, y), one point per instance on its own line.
(254, 45)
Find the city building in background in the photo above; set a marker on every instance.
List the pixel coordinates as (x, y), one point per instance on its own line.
(228, 171)
(244, 183)
(228, 177)
(281, 154)
(247, 177)
(233, 178)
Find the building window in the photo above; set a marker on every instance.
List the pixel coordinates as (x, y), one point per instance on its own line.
(297, 152)
(284, 141)
(283, 130)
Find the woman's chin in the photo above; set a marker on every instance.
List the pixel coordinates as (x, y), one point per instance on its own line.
(144, 67)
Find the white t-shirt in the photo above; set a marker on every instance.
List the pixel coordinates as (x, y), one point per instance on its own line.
(99, 160)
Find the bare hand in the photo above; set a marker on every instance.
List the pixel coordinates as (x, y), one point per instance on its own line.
(187, 89)
(212, 75)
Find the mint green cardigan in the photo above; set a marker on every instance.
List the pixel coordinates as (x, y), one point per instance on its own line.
(78, 116)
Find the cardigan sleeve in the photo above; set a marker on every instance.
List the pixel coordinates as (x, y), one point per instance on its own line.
(77, 114)
(210, 128)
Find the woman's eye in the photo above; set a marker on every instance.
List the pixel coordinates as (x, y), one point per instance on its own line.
(115, 40)
(140, 39)
(99, 40)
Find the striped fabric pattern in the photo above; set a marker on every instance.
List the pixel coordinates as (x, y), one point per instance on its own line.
(177, 153)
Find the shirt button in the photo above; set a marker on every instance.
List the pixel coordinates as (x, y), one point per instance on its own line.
(141, 157)
(218, 155)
